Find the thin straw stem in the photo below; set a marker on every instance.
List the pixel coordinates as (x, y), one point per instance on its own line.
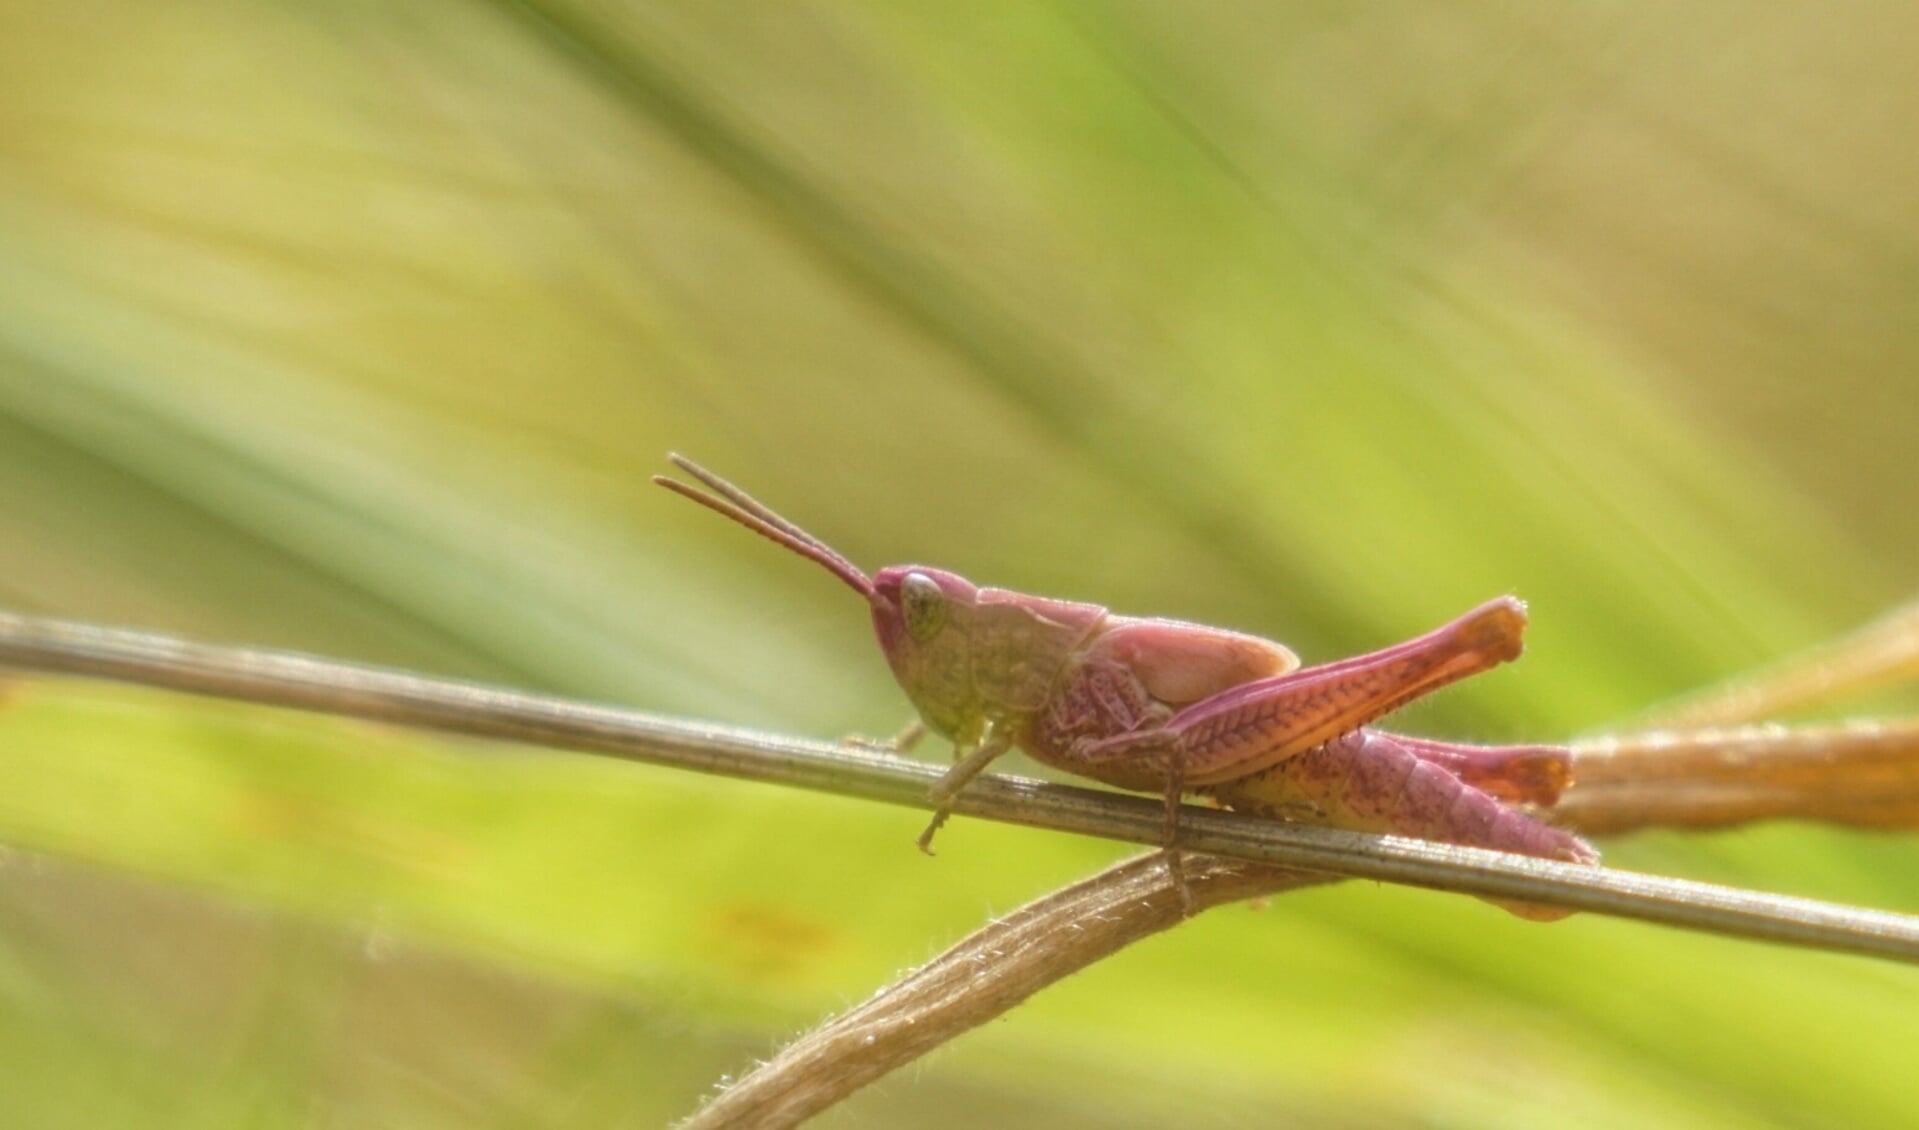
(305, 682)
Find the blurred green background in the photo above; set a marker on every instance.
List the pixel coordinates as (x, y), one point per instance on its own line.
(357, 327)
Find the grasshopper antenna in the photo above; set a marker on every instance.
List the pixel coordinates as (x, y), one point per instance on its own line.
(732, 502)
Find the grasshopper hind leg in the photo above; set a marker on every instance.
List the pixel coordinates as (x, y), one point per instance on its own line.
(1175, 769)
(1161, 749)
(1371, 781)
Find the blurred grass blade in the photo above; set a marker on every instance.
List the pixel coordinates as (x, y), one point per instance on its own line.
(1878, 654)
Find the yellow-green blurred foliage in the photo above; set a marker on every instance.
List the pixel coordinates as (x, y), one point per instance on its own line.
(357, 327)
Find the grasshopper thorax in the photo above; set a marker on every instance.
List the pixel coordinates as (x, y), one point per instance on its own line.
(968, 655)
(923, 617)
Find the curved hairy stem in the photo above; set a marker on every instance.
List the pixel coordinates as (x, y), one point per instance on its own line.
(984, 975)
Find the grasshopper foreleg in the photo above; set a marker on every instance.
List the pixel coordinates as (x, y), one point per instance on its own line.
(968, 766)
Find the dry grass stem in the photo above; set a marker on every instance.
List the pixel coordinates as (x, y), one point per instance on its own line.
(1864, 774)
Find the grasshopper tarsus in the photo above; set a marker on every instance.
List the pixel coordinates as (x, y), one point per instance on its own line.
(901, 742)
(908, 736)
(940, 814)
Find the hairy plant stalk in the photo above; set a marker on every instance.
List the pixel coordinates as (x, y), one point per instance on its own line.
(982, 977)
(1693, 781)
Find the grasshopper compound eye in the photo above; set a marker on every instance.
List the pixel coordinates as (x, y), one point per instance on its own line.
(924, 606)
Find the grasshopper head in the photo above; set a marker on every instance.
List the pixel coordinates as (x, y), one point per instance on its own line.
(923, 618)
(914, 604)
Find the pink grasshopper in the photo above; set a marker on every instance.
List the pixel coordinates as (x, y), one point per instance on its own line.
(1169, 707)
